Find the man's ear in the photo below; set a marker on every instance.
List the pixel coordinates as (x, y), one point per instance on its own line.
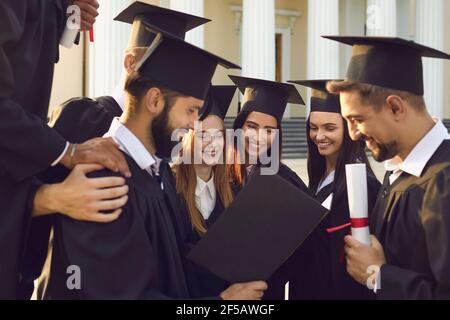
(396, 106)
(152, 100)
(129, 62)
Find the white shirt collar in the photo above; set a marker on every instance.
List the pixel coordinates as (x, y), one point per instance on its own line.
(201, 185)
(419, 156)
(205, 197)
(131, 145)
(328, 180)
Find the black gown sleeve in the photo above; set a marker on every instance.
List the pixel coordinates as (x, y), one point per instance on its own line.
(73, 121)
(118, 260)
(400, 283)
(27, 144)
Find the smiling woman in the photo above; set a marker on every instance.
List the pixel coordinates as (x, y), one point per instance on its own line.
(203, 183)
(329, 150)
(327, 132)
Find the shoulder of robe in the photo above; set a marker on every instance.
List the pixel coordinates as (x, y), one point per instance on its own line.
(139, 182)
(284, 169)
(292, 176)
(435, 203)
(439, 183)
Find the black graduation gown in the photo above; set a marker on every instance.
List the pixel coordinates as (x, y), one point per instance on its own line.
(138, 256)
(411, 219)
(326, 250)
(29, 38)
(77, 120)
(202, 282)
(276, 283)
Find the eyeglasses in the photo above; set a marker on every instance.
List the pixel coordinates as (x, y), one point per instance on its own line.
(209, 136)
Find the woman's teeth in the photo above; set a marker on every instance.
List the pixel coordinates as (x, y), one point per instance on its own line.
(324, 144)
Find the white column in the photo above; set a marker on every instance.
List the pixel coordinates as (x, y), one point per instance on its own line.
(194, 7)
(164, 3)
(258, 39)
(381, 18)
(430, 32)
(106, 53)
(323, 54)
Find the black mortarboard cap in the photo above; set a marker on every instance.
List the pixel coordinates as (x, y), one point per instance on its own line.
(259, 231)
(218, 101)
(321, 100)
(174, 22)
(266, 96)
(179, 65)
(388, 62)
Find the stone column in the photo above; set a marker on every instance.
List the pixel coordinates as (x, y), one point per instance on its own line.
(258, 39)
(381, 18)
(194, 7)
(323, 54)
(430, 32)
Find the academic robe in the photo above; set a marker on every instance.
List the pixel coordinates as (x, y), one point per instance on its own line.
(202, 282)
(276, 283)
(138, 256)
(77, 120)
(29, 37)
(411, 219)
(326, 253)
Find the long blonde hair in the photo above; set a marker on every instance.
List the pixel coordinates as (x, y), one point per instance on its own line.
(186, 183)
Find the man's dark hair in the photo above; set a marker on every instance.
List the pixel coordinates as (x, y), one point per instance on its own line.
(374, 95)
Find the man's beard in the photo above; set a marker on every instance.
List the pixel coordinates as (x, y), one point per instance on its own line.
(385, 151)
(162, 134)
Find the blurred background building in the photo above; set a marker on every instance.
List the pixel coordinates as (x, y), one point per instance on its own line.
(271, 39)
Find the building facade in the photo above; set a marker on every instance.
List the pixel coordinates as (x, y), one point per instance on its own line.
(271, 39)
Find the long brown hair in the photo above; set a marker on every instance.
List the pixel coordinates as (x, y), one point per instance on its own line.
(186, 183)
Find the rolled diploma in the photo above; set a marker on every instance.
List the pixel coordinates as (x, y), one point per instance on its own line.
(286, 291)
(68, 37)
(357, 198)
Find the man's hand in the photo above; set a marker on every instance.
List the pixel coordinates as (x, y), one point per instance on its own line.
(103, 151)
(82, 198)
(360, 257)
(245, 291)
(89, 11)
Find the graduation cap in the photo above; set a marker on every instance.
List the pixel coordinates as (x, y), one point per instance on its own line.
(266, 96)
(174, 22)
(218, 101)
(388, 62)
(179, 65)
(321, 100)
(259, 231)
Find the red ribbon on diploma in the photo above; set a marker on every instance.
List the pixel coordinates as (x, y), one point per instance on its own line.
(354, 223)
(91, 35)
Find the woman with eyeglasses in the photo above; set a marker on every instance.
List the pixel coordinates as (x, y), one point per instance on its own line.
(203, 183)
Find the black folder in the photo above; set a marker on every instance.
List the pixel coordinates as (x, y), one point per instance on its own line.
(268, 220)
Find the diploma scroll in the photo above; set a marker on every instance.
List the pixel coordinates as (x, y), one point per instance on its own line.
(356, 175)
